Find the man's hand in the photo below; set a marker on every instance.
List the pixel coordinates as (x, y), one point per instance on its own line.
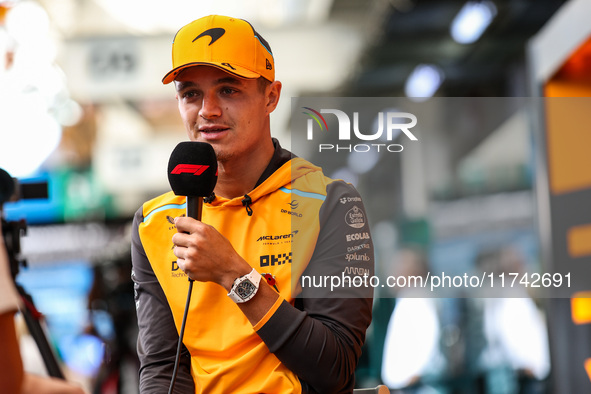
(206, 255)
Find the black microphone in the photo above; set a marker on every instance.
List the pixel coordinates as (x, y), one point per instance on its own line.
(193, 172)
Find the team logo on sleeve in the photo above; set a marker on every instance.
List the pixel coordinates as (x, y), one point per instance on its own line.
(355, 217)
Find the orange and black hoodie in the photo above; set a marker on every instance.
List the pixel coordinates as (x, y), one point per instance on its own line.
(305, 230)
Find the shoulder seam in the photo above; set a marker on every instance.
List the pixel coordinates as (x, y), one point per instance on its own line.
(302, 193)
(163, 208)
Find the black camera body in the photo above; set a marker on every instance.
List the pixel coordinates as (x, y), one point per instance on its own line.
(12, 231)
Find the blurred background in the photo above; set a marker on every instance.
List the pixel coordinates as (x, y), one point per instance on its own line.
(493, 183)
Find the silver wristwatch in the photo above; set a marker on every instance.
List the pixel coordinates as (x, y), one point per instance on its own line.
(245, 287)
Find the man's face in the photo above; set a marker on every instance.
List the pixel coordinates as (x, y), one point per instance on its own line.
(228, 112)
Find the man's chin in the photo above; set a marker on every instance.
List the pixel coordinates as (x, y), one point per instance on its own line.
(222, 156)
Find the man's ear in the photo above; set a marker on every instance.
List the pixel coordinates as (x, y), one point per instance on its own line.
(272, 94)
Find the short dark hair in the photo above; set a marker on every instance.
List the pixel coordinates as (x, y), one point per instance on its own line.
(263, 83)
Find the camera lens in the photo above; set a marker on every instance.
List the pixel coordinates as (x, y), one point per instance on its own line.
(6, 186)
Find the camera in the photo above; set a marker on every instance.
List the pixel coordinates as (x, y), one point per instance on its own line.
(12, 190)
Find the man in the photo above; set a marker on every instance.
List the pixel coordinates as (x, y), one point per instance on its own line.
(270, 215)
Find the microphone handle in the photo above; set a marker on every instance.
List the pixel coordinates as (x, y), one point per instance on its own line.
(194, 205)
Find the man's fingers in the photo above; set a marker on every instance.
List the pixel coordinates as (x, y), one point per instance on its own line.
(181, 239)
(177, 252)
(185, 224)
(181, 263)
(182, 266)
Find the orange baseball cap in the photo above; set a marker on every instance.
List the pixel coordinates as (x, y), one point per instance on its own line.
(230, 44)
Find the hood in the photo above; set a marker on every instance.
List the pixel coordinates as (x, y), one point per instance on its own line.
(283, 176)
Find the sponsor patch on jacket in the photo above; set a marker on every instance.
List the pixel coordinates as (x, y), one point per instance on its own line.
(275, 259)
(355, 217)
(345, 200)
(357, 236)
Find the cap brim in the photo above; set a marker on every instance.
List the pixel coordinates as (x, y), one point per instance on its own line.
(234, 70)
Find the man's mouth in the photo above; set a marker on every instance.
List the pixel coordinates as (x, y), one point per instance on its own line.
(212, 132)
(209, 130)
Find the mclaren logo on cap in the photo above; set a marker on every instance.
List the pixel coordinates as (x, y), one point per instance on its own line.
(214, 33)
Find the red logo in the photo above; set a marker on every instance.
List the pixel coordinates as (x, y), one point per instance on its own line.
(270, 280)
(195, 169)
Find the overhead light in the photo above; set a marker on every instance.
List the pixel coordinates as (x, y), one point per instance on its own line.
(25, 145)
(27, 22)
(423, 82)
(472, 21)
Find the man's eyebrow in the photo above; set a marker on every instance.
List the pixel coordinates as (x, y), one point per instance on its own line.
(230, 80)
(181, 85)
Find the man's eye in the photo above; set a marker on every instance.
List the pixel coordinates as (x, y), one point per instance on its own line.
(228, 90)
(189, 94)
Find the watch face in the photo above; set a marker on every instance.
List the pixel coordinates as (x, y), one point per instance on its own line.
(245, 289)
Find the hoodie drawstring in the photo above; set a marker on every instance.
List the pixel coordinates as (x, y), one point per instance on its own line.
(209, 199)
(246, 203)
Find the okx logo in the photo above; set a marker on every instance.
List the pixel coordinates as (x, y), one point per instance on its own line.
(389, 126)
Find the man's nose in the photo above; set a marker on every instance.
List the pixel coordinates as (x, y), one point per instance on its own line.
(210, 107)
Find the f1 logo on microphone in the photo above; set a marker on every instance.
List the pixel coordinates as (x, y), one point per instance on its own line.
(195, 169)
